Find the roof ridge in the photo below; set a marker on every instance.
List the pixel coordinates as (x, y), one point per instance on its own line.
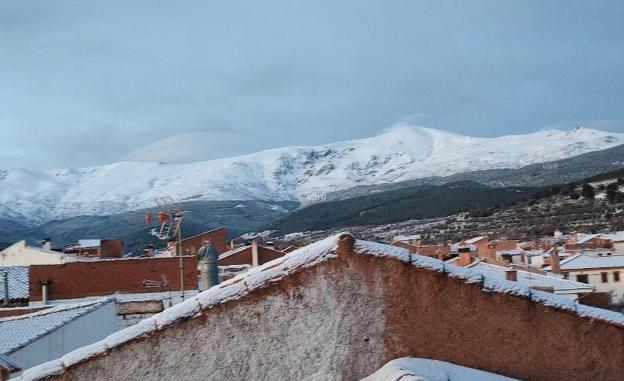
(60, 308)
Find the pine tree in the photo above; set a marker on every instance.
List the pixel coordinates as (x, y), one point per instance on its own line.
(588, 191)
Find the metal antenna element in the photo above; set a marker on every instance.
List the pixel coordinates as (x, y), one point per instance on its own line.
(170, 216)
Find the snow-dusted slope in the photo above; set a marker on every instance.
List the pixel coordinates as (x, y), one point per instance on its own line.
(401, 153)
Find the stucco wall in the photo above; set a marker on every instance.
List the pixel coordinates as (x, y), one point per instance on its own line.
(85, 330)
(19, 254)
(343, 319)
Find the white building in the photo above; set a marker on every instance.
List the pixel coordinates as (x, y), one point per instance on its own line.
(35, 338)
(548, 283)
(21, 254)
(604, 272)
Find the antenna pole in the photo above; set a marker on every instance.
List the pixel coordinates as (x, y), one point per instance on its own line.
(179, 249)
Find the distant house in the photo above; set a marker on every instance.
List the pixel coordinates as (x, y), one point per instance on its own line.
(98, 248)
(191, 245)
(605, 273)
(617, 240)
(542, 282)
(482, 243)
(578, 241)
(252, 255)
(38, 337)
(21, 254)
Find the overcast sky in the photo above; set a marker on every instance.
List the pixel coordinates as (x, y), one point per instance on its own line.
(93, 82)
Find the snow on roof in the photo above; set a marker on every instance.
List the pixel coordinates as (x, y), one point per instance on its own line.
(532, 279)
(474, 240)
(89, 242)
(511, 252)
(581, 261)
(296, 261)
(412, 237)
(420, 369)
(615, 237)
(234, 251)
(19, 331)
(18, 282)
(582, 238)
(23, 244)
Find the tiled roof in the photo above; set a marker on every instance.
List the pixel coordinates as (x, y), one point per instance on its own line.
(580, 261)
(19, 331)
(18, 282)
(615, 237)
(531, 279)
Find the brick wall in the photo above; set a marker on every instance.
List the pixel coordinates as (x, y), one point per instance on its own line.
(80, 279)
(217, 239)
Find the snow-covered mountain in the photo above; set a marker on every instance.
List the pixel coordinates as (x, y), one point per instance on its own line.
(402, 152)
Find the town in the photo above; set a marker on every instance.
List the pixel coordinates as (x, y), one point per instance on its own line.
(50, 294)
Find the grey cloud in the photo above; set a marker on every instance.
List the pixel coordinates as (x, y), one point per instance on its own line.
(106, 78)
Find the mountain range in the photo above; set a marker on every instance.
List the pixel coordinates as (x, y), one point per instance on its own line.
(402, 153)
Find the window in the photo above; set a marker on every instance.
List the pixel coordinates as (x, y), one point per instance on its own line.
(616, 276)
(582, 278)
(604, 277)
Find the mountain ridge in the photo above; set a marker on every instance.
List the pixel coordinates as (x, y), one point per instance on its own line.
(403, 152)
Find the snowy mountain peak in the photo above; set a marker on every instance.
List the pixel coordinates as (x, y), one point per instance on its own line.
(402, 152)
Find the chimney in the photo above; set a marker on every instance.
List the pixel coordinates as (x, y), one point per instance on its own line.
(555, 268)
(232, 245)
(254, 254)
(44, 293)
(46, 244)
(464, 258)
(148, 251)
(5, 287)
(511, 274)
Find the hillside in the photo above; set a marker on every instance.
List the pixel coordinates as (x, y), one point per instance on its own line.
(421, 201)
(551, 208)
(238, 216)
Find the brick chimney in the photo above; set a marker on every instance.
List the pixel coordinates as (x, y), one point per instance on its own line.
(555, 268)
(511, 274)
(464, 258)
